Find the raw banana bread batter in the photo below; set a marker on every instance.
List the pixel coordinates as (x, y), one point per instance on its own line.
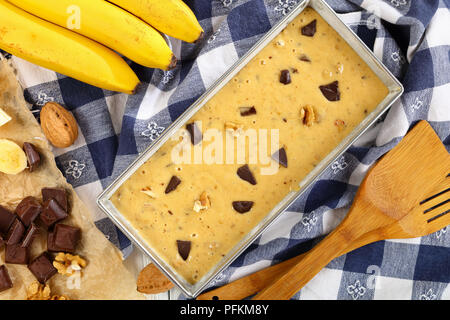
(310, 86)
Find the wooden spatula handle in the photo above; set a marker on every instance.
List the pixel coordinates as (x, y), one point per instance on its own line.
(251, 284)
(257, 281)
(301, 273)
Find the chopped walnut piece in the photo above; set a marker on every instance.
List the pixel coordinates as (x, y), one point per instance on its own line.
(308, 115)
(340, 68)
(340, 124)
(148, 191)
(56, 297)
(280, 43)
(38, 291)
(235, 129)
(203, 203)
(68, 264)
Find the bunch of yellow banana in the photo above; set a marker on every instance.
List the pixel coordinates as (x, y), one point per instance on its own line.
(83, 38)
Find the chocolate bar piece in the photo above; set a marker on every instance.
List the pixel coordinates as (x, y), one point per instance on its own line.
(51, 243)
(31, 233)
(51, 247)
(59, 194)
(6, 219)
(34, 159)
(15, 232)
(52, 212)
(42, 267)
(28, 210)
(2, 242)
(66, 237)
(5, 280)
(15, 254)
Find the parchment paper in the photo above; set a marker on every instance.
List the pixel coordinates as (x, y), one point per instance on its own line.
(105, 276)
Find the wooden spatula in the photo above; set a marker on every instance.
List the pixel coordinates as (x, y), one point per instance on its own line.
(391, 199)
(255, 282)
(422, 136)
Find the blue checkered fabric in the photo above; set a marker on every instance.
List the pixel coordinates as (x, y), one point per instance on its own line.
(412, 39)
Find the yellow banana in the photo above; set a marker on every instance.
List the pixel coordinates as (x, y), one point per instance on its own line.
(63, 51)
(12, 158)
(172, 17)
(107, 24)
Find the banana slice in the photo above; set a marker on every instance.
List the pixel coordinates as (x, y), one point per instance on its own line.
(4, 117)
(13, 159)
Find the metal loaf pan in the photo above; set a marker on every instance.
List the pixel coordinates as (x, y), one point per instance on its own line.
(395, 91)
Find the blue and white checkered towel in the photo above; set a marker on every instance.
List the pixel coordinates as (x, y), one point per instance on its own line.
(411, 37)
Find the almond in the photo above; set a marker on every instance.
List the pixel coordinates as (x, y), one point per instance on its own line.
(59, 125)
(152, 281)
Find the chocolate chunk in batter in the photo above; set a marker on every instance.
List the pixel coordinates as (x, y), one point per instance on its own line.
(194, 131)
(310, 29)
(304, 58)
(242, 206)
(173, 184)
(331, 91)
(247, 111)
(184, 248)
(285, 77)
(245, 174)
(281, 157)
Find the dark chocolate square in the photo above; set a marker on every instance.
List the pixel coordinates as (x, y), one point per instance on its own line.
(52, 212)
(51, 243)
(29, 236)
(5, 280)
(15, 254)
(59, 194)
(66, 237)
(42, 267)
(34, 159)
(15, 232)
(6, 219)
(28, 210)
